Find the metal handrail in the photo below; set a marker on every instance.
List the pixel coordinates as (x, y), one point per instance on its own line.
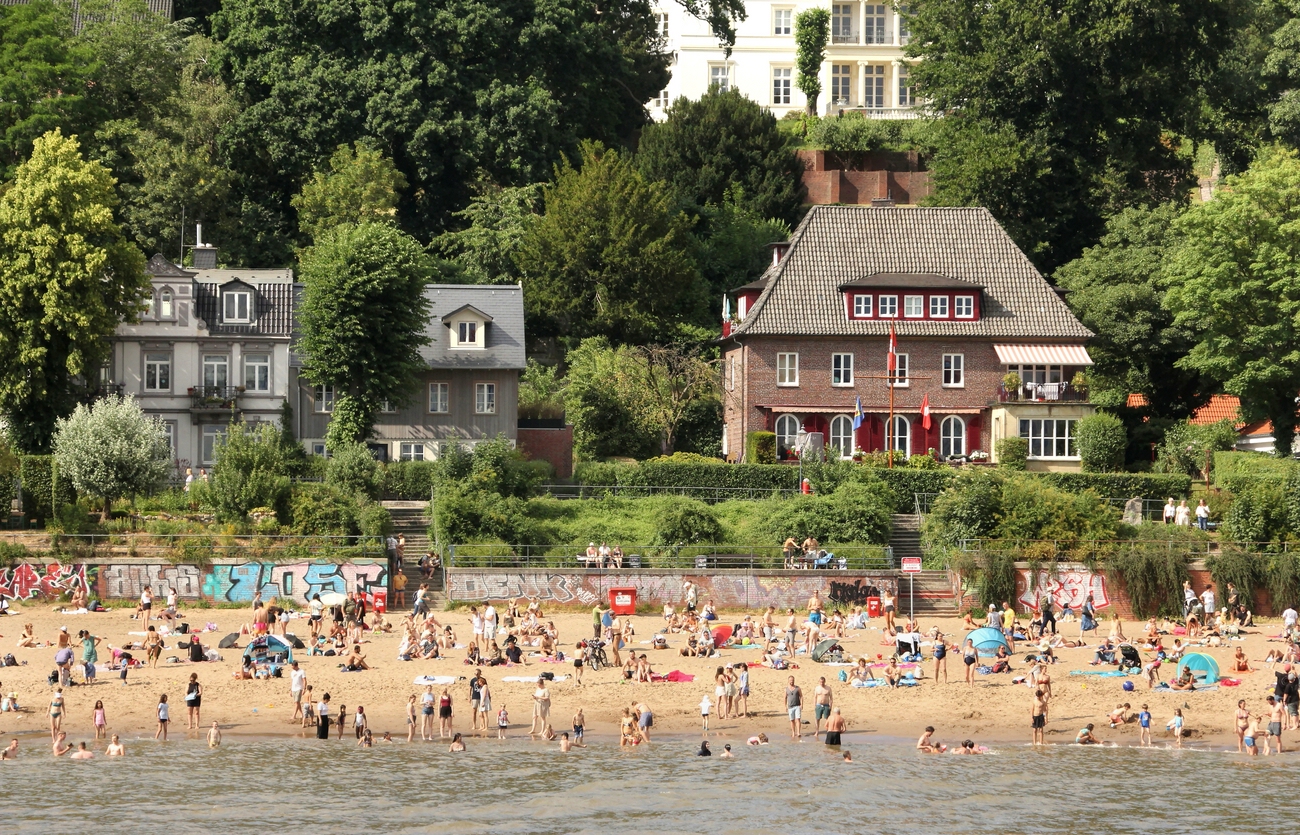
(639, 557)
(1099, 547)
(358, 545)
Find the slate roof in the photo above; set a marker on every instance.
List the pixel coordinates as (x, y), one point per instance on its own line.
(504, 334)
(160, 267)
(837, 245)
(273, 303)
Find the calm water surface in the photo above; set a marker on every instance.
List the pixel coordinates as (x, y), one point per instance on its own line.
(307, 786)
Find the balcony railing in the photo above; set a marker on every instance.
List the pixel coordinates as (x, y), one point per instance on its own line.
(878, 112)
(1042, 393)
(214, 398)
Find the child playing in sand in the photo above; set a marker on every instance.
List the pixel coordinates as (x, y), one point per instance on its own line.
(503, 722)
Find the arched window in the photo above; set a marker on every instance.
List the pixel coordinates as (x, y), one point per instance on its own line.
(900, 435)
(952, 437)
(165, 304)
(842, 436)
(787, 433)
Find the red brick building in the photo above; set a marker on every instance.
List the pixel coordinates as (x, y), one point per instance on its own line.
(810, 339)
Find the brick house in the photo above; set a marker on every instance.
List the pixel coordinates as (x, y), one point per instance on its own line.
(811, 339)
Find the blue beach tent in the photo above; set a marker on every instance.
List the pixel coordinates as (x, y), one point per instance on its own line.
(987, 640)
(1203, 667)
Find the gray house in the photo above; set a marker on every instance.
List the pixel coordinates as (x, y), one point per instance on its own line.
(470, 391)
(211, 347)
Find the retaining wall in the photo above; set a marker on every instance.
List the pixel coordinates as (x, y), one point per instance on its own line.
(727, 588)
(232, 581)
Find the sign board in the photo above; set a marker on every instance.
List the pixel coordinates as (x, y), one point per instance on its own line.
(911, 565)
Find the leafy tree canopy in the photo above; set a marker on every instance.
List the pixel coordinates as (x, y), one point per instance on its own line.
(111, 450)
(361, 185)
(364, 316)
(67, 278)
(1234, 280)
(733, 241)
(723, 140)
(484, 251)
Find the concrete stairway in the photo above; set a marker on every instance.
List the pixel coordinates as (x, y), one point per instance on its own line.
(905, 538)
(411, 519)
(932, 593)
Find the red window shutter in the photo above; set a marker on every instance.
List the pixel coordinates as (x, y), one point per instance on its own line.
(918, 435)
(973, 434)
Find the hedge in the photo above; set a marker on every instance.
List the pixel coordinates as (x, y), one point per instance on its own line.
(42, 487)
(1242, 467)
(1122, 485)
(411, 480)
(733, 476)
(906, 482)
(760, 447)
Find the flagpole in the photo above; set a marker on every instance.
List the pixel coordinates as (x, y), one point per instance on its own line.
(889, 428)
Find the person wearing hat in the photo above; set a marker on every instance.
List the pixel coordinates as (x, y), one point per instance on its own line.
(64, 640)
(593, 555)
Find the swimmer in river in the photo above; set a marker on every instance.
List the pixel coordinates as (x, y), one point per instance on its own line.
(761, 739)
(968, 747)
(704, 750)
(926, 742)
(60, 746)
(726, 752)
(565, 744)
(214, 736)
(457, 745)
(366, 739)
(848, 758)
(82, 753)
(115, 748)
(10, 753)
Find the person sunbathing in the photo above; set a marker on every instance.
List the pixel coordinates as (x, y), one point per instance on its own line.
(1184, 681)
(1240, 664)
(893, 675)
(28, 638)
(355, 660)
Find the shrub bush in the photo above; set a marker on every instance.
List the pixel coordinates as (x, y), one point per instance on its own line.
(498, 467)
(1186, 446)
(411, 480)
(599, 473)
(760, 448)
(12, 553)
(1244, 570)
(660, 473)
(905, 482)
(681, 521)
(856, 513)
(323, 510)
(250, 471)
(1151, 575)
(1013, 453)
(43, 490)
(967, 511)
(1101, 440)
(1259, 512)
(374, 520)
(1121, 485)
(1235, 464)
(354, 470)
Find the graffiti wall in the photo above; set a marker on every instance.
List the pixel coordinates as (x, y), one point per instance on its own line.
(225, 582)
(1069, 589)
(659, 587)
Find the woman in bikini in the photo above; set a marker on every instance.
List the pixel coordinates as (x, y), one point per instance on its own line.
(1240, 664)
(1242, 719)
(56, 713)
(627, 729)
(971, 657)
(153, 646)
(28, 638)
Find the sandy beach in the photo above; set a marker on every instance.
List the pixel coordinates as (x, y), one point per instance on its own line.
(993, 710)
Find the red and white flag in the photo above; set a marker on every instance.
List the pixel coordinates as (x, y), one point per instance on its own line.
(893, 349)
(925, 413)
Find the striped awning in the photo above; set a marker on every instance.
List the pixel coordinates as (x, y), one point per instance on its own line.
(1042, 355)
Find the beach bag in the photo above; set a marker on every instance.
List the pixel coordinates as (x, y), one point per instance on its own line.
(1001, 667)
(53, 678)
(10, 661)
(549, 676)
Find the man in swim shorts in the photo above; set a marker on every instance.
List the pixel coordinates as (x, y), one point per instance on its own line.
(645, 720)
(821, 705)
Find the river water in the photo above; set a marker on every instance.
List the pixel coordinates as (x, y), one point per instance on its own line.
(301, 785)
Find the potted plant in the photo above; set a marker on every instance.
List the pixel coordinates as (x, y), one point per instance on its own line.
(1011, 383)
(1079, 382)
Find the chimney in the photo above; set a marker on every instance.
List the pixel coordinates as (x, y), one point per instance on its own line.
(205, 255)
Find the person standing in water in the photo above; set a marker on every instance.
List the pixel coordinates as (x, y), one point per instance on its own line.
(164, 718)
(323, 717)
(214, 736)
(115, 748)
(835, 726)
(794, 708)
(1039, 716)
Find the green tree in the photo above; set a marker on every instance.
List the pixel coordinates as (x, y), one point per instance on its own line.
(251, 471)
(1102, 440)
(111, 450)
(353, 469)
(1234, 280)
(44, 75)
(1092, 92)
(705, 147)
(604, 424)
(364, 316)
(733, 242)
(1117, 290)
(67, 278)
(611, 256)
(812, 29)
(453, 91)
(361, 185)
(497, 218)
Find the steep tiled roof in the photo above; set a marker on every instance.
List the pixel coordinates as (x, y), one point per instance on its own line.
(1219, 407)
(503, 303)
(274, 310)
(160, 267)
(835, 245)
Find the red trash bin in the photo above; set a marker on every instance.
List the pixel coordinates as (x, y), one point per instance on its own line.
(381, 600)
(873, 607)
(622, 601)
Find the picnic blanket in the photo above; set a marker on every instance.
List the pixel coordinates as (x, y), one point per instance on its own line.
(880, 682)
(1200, 688)
(675, 675)
(434, 680)
(1103, 673)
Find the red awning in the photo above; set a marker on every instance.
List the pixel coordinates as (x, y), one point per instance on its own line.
(1042, 355)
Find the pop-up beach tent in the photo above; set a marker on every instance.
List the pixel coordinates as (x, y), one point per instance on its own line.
(1203, 667)
(269, 649)
(987, 640)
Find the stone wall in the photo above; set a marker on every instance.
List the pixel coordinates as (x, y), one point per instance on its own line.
(225, 581)
(726, 588)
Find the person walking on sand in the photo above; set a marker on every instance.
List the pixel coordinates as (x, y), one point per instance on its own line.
(164, 717)
(1038, 714)
(541, 709)
(821, 705)
(484, 702)
(794, 708)
(940, 657)
(297, 684)
(193, 701)
(971, 657)
(705, 707)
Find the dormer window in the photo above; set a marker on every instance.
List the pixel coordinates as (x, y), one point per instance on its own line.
(165, 304)
(467, 333)
(236, 306)
(467, 328)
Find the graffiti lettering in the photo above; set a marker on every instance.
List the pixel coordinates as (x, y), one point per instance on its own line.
(25, 581)
(855, 593)
(1068, 589)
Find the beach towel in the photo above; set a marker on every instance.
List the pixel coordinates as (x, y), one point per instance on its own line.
(434, 680)
(1200, 688)
(1103, 673)
(1230, 682)
(532, 678)
(880, 682)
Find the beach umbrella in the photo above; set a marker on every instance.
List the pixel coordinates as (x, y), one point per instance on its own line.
(822, 647)
(333, 598)
(987, 640)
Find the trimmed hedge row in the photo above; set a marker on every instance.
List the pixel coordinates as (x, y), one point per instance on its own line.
(1122, 485)
(906, 482)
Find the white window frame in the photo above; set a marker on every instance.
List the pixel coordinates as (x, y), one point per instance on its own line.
(166, 303)
(236, 299)
(253, 364)
(732, 363)
(938, 307)
(150, 308)
(873, 86)
(439, 402)
(787, 369)
(1038, 375)
(720, 74)
(963, 307)
(904, 28)
(410, 451)
(782, 85)
(913, 307)
(862, 305)
(875, 24)
(318, 448)
(785, 420)
(905, 97)
(841, 436)
(950, 443)
(322, 400)
(842, 370)
(901, 378)
(210, 439)
(169, 429)
(1057, 444)
(887, 307)
(843, 23)
(842, 84)
(661, 99)
(485, 398)
(466, 334)
(782, 20)
(902, 428)
(954, 371)
(220, 367)
(157, 370)
(386, 407)
(661, 24)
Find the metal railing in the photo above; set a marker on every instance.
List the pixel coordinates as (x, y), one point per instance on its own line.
(214, 397)
(1042, 393)
(185, 546)
(1096, 549)
(711, 495)
(693, 557)
(1152, 509)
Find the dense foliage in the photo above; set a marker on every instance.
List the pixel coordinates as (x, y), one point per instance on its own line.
(111, 450)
